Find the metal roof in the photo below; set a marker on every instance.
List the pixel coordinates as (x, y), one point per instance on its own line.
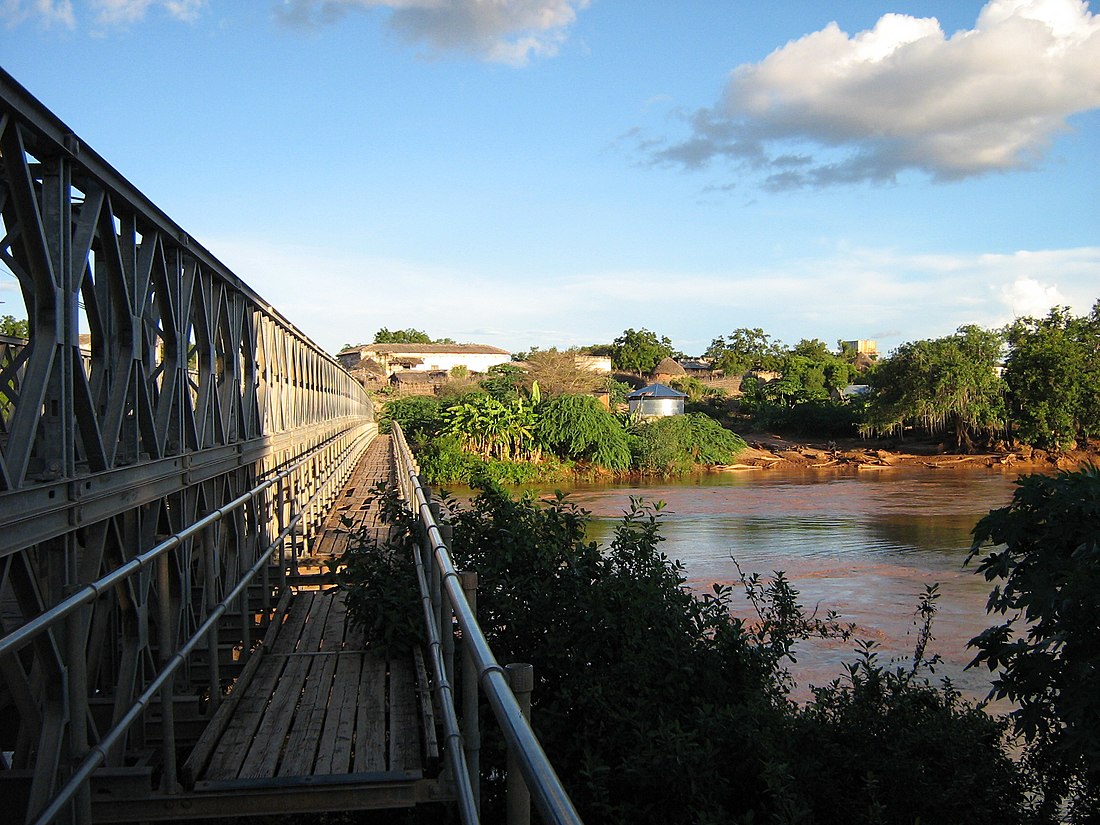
(656, 391)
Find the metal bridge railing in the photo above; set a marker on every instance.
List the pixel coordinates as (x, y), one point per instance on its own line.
(159, 690)
(162, 428)
(445, 595)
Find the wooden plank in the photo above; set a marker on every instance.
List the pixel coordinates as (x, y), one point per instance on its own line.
(404, 737)
(267, 746)
(334, 754)
(212, 733)
(313, 706)
(309, 718)
(370, 717)
(225, 763)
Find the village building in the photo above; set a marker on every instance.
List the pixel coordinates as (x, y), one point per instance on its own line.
(413, 382)
(393, 358)
(593, 363)
(656, 401)
(697, 368)
(667, 370)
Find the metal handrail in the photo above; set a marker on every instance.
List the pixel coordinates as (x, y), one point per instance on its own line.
(547, 792)
(92, 591)
(98, 754)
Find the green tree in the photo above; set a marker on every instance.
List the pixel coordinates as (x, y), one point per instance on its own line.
(1046, 562)
(17, 328)
(744, 349)
(1053, 377)
(407, 336)
(640, 350)
(503, 381)
(944, 384)
(491, 428)
(420, 416)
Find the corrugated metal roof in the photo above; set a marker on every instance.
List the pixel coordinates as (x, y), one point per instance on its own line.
(656, 391)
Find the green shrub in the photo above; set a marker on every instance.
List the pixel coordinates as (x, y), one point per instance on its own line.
(677, 444)
(1047, 651)
(656, 705)
(420, 416)
(578, 427)
(383, 597)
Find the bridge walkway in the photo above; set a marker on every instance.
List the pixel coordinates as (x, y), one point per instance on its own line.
(315, 722)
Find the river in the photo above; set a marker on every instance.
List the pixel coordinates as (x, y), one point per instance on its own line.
(861, 543)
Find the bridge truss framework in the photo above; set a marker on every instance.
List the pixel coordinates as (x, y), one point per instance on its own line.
(157, 475)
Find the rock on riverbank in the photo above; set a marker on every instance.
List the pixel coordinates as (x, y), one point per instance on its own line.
(767, 451)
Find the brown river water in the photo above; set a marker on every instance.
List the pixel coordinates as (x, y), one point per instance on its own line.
(861, 543)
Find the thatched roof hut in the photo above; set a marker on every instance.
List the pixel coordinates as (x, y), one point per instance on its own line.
(667, 369)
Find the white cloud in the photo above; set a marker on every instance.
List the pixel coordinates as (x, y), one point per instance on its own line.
(122, 12)
(504, 31)
(904, 95)
(106, 12)
(48, 12)
(842, 293)
(1027, 296)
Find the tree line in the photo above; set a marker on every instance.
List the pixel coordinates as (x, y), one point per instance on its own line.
(1034, 382)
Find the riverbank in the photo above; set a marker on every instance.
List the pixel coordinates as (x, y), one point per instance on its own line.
(767, 451)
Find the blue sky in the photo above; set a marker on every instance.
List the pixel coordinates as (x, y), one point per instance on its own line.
(551, 172)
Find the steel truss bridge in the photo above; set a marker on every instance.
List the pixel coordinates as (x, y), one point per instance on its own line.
(170, 448)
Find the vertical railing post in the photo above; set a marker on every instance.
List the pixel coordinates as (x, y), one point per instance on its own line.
(167, 693)
(76, 634)
(282, 517)
(212, 597)
(471, 726)
(446, 610)
(521, 678)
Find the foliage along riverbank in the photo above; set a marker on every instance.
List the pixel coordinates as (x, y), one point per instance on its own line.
(658, 705)
(526, 438)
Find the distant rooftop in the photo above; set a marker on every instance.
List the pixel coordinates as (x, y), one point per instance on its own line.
(657, 391)
(429, 349)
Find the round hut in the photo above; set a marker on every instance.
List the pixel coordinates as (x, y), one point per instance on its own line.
(667, 370)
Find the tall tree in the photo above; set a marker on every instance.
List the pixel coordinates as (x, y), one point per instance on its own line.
(745, 349)
(640, 350)
(943, 385)
(407, 336)
(1053, 377)
(17, 328)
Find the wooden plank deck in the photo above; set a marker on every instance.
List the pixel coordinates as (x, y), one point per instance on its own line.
(319, 704)
(375, 465)
(315, 722)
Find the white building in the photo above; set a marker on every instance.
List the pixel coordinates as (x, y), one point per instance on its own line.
(426, 357)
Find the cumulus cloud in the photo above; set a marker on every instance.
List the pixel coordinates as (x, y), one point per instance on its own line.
(116, 12)
(504, 31)
(832, 108)
(48, 12)
(105, 12)
(1027, 296)
(842, 292)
